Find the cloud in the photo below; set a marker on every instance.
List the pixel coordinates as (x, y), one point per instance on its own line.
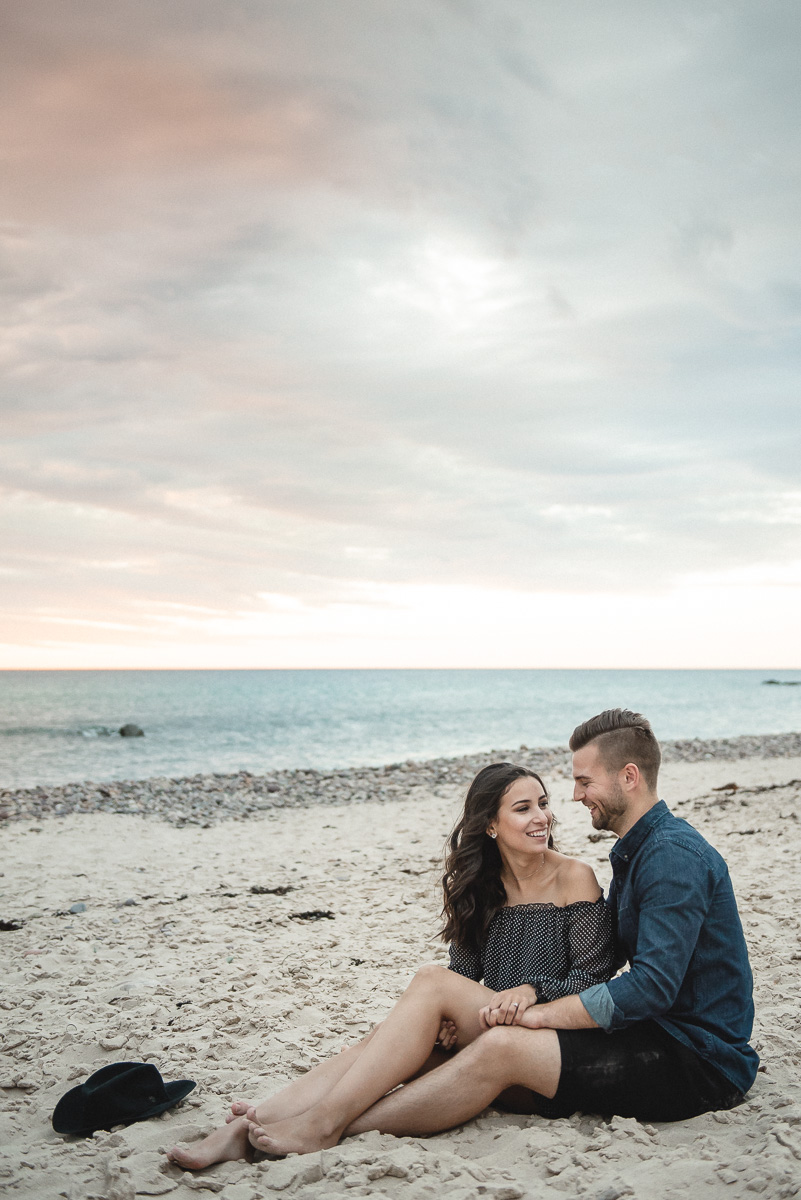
(303, 297)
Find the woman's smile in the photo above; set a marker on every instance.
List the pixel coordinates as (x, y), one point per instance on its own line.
(524, 814)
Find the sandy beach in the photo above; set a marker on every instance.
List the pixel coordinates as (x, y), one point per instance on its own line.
(144, 922)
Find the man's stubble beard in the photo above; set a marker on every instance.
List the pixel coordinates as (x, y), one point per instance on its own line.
(614, 806)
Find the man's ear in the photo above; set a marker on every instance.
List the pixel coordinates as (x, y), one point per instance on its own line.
(630, 776)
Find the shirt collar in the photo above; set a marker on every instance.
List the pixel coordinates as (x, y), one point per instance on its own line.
(631, 841)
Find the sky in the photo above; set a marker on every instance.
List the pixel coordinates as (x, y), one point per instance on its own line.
(434, 334)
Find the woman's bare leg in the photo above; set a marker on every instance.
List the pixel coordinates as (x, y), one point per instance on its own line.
(312, 1088)
(400, 1046)
(309, 1089)
(304, 1092)
(231, 1140)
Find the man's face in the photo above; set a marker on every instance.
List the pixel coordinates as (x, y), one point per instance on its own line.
(598, 789)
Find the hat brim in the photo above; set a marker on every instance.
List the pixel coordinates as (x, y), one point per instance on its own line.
(176, 1091)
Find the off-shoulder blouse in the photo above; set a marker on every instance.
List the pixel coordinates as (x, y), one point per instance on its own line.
(559, 951)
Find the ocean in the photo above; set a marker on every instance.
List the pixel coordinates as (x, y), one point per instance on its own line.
(62, 726)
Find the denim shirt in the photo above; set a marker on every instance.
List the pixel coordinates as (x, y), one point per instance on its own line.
(677, 924)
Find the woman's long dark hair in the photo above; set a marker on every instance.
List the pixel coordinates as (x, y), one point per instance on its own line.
(472, 880)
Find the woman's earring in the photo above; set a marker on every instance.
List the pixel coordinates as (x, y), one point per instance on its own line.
(492, 835)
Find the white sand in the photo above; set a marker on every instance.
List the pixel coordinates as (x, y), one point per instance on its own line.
(232, 992)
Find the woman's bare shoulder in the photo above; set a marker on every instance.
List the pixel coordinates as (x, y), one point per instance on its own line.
(577, 880)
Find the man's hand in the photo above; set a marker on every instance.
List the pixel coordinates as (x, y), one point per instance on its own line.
(566, 1013)
(506, 1008)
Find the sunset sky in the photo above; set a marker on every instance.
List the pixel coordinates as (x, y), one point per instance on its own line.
(443, 333)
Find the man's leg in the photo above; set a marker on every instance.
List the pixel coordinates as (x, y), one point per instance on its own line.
(503, 1057)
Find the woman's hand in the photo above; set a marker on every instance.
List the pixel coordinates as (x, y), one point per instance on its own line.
(446, 1038)
(506, 1008)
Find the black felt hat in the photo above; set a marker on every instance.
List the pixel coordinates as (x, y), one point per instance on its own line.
(117, 1094)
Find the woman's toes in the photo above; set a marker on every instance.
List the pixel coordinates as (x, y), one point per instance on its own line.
(180, 1156)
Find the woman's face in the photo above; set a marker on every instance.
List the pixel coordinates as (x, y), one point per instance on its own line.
(523, 822)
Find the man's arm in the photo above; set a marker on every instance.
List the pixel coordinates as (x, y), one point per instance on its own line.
(673, 892)
(566, 1013)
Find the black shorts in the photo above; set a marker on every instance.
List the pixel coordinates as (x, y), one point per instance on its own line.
(641, 1071)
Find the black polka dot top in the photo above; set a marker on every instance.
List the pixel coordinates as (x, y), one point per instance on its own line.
(559, 951)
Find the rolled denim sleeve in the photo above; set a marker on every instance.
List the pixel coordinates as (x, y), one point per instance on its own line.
(599, 1004)
(673, 893)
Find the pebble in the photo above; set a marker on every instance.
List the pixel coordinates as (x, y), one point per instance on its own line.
(206, 800)
(113, 1043)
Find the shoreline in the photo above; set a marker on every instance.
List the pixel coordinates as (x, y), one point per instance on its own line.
(209, 799)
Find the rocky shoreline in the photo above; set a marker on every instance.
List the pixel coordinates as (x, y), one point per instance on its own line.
(205, 800)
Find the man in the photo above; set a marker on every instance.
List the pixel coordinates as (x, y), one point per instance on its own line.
(679, 1020)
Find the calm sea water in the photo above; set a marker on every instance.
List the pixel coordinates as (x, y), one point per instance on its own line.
(59, 726)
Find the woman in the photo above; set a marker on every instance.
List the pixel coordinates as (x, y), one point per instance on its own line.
(529, 920)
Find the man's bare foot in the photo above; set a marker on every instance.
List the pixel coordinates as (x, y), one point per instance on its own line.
(299, 1135)
(225, 1144)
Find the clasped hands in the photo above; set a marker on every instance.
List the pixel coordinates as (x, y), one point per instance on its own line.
(504, 1008)
(507, 1008)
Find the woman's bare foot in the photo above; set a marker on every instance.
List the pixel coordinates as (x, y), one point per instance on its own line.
(239, 1108)
(225, 1144)
(300, 1135)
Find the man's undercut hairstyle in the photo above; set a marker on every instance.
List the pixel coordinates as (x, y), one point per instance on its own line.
(622, 737)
